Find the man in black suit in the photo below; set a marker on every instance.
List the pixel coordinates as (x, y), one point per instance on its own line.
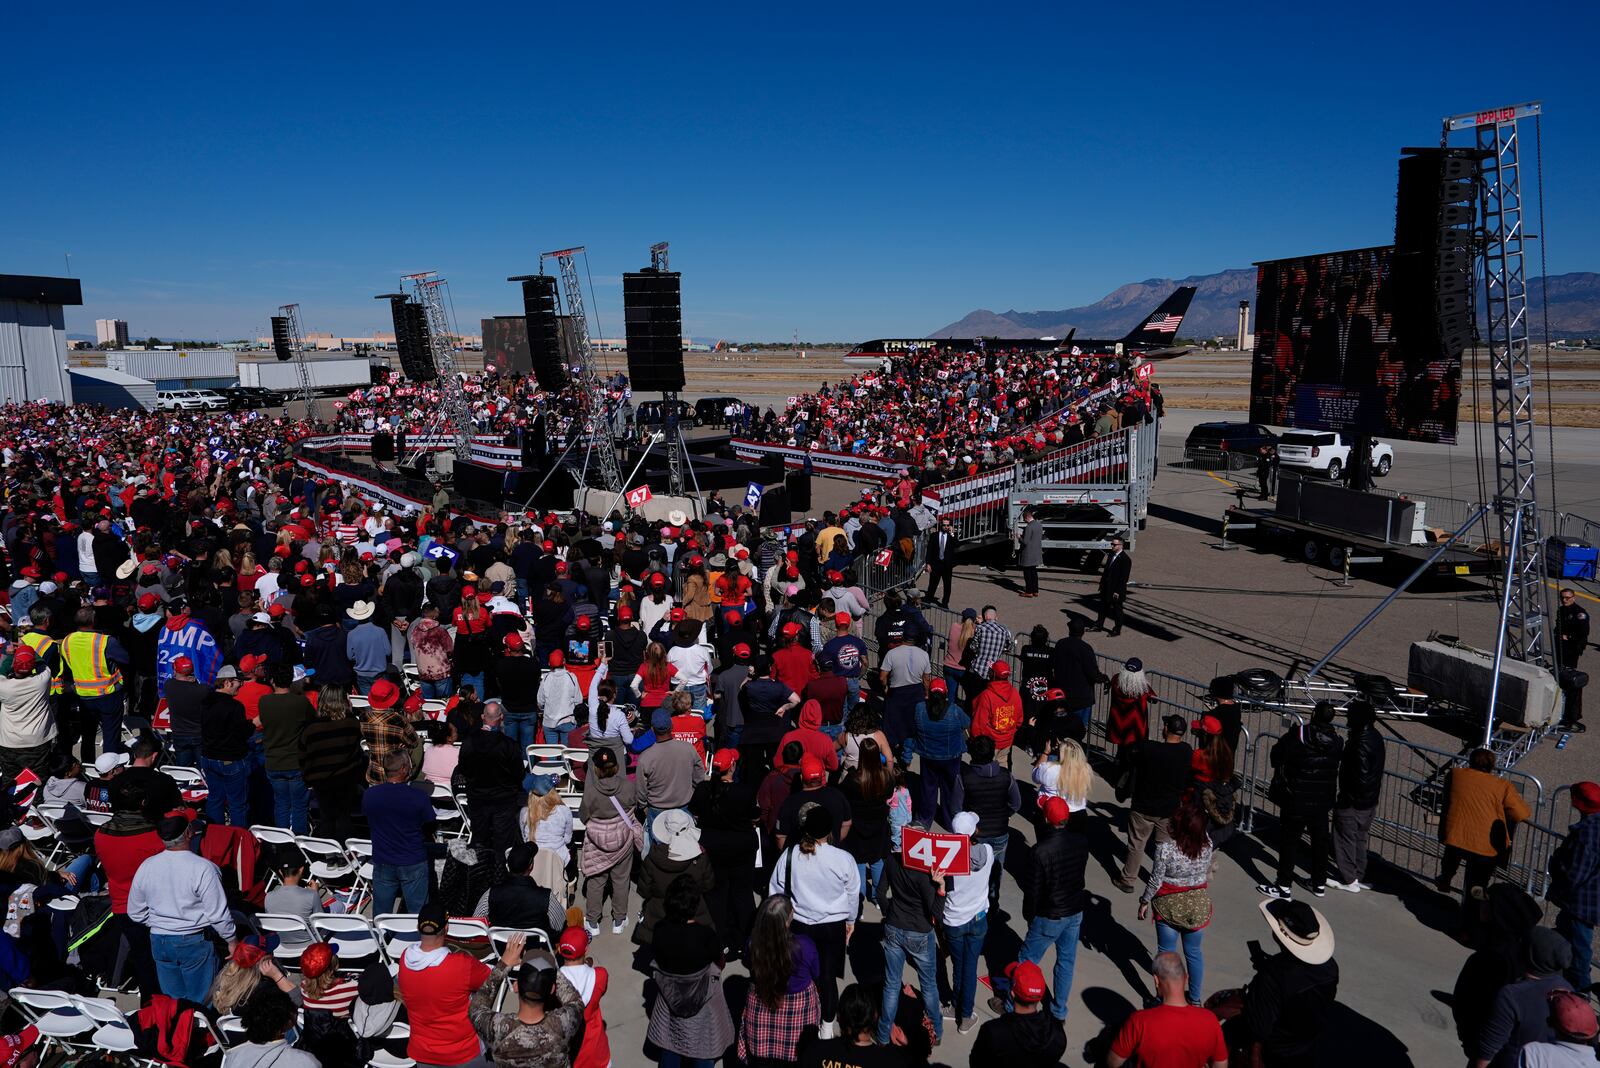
(1342, 351)
(941, 560)
(1114, 587)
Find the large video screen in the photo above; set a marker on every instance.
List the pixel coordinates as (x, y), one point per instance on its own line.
(1326, 358)
(505, 345)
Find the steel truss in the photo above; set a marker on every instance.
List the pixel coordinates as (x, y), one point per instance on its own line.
(594, 420)
(1505, 318)
(291, 312)
(428, 289)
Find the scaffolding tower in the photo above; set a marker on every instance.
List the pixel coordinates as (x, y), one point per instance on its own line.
(1504, 297)
(428, 290)
(291, 312)
(594, 420)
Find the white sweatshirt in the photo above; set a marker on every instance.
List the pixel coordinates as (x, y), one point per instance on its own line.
(178, 893)
(826, 883)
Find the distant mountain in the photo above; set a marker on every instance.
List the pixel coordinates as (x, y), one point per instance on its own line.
(1574, 309)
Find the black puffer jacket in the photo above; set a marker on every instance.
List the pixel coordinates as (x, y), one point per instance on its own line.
(1361, 769)
(1306, 766)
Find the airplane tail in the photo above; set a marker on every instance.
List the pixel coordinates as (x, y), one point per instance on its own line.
(1160, 328)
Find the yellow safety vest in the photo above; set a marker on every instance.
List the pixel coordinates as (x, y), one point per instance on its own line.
(92, 674)
(41, 643)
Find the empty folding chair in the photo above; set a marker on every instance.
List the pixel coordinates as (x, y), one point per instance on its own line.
(396, 931)
(58, 1019)
(353, 938)
(111, 1026)
(294, 935)
(547, 758)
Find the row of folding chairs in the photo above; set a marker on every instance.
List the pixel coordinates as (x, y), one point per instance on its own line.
(358, 940)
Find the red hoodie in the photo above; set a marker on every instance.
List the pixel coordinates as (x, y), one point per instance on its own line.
(809, 735)
(997, 712)
(591, 982)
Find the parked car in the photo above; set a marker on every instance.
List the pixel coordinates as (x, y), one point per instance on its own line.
(1210, 442)
(654, 413)
(244, 398)
(708, 410)
(1327, 452)
(168, 400)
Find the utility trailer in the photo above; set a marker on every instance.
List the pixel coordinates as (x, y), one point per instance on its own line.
(1318, 541)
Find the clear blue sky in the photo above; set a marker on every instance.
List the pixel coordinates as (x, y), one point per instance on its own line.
(847, 172)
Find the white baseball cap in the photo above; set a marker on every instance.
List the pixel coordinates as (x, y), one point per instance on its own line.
(106, 763)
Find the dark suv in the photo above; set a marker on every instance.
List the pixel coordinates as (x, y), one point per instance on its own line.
(1210, 442)
(708, 410)
(653, 413)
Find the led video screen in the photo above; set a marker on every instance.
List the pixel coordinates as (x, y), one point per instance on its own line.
(1326, 357)
(505, 345)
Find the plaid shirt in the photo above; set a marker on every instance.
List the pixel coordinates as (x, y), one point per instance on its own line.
(385, 731)
(774, 1033)
(989, 643)
(1575, 870)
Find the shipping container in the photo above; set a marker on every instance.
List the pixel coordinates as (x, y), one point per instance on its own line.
(327, 376)
(183, 369)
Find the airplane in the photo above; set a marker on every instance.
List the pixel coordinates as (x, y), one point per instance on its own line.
(1152, 338)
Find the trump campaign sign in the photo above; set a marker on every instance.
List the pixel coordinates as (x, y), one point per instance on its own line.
(638, 497)
(949, 854)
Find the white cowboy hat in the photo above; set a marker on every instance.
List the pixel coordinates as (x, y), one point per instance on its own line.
(126, 569)
(359, 611)
(1300, 929)
(676, 518)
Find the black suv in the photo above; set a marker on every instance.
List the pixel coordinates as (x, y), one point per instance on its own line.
(1208, 442)
(653, 413)
(245, 398)
(708, 410)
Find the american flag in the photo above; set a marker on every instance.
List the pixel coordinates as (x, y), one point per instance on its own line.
(1166, 324)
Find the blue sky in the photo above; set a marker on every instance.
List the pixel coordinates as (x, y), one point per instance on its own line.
(846, 172)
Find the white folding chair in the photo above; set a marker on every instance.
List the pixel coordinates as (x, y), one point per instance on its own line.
(433, 707)
(464, 831)
(229, 1031)
(184, 776)
(354, 938)
(396, 931)
(548, 756)
(330, 861)
(36, 835)
(111, 1026)
(382, 1058)
(294, 935)
(361, 852)
(58, 1019)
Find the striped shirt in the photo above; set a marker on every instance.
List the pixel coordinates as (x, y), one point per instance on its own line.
(337, 999)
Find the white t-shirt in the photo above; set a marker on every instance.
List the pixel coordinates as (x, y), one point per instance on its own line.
(692, 662)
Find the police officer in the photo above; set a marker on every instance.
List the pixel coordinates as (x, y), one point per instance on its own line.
(1572, 629)
(1267, 470)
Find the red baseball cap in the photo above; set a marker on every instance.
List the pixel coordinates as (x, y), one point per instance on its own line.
(1055, 695)
(1586, 797)
(574, 943)
(741, 651)
(625, 614)
(725, 759)
(1027, 981)
(24, 659)
(677, 615)
(734, 616)
(557, 658)
(276, 610)
(1000, 670)
(658, 579)
(791, 629)
(513, 640)
(582, 623)
(843, 619)
(812, 769)
(561, 567)
(251, 661)
(183, 665)
(1206, 725)
(1055, 811)
(938, 686)
(148, 601)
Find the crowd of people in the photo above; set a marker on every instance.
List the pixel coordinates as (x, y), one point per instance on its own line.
(959, 413)
(239, 704)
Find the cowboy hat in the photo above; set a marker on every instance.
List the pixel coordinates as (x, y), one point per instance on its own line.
(1300, 929)
(676, 518)
(126, 569)
(359, 611)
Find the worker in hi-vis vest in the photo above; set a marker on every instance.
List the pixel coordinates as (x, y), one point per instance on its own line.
(95, 660)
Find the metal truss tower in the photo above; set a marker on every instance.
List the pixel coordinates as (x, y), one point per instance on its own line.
(596, 414)
(428, 289)
(1505, 318)
(291, 312)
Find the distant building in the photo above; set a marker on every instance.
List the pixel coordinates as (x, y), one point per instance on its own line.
(111, 331)
(33, 337)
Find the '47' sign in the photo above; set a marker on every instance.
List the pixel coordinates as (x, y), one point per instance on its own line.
(639, 496)
(929, 852)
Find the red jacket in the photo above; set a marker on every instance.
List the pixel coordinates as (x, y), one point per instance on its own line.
(997, 712)
(811, 737)
(591, 983)
(796, 665)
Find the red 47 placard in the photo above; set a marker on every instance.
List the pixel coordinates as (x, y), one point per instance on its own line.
(927, 851)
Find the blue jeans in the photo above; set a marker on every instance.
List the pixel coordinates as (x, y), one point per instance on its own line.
(1063, 934)
(390, 881)
(1167, 938)
(966, 949)
(81, 867)
(91, 579)
(558, 735)
(871, 875)
(364, 682)
(998, 843)
(1084, 714)
(185, 750)
(923, 951)
(436, 688)
(1581, 935)
(521, 727)
(852, 695)
(109, 709)
(185, 965)
(291, 801)
(228, 790)
(474, 680)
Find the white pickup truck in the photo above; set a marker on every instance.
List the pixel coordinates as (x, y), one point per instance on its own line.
(1327, 452)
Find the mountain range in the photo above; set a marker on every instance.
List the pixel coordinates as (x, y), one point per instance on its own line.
(1574, 309)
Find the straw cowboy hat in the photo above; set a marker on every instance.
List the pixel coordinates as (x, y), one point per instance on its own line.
(676, 518)
(361, 610)
(1300, 929)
